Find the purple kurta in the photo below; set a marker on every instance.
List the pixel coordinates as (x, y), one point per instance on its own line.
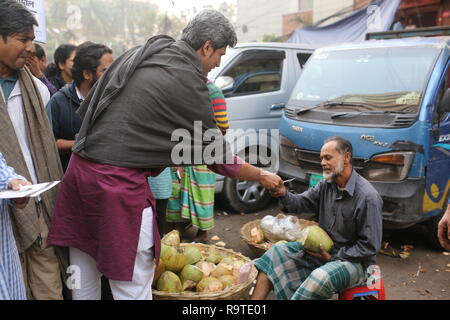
(99, 211)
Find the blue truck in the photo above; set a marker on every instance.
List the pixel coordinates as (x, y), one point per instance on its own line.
(390, 97)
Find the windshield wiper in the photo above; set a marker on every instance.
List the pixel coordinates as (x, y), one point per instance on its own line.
(354, 114)
(328, 104)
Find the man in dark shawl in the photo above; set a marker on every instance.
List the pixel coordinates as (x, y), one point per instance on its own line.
(105, 211)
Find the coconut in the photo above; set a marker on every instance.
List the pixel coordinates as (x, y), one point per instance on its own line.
(206, 267)
(281, 242)
(213, 256)
(193, 254)
(256, 235)
(173, 259)
(237, 265)
(191, 272)
(314, 237)
(172, 238)
(209, 284)
(159, 271)
(227, 280)
(227, 260)
(169, 282)
(222, 269)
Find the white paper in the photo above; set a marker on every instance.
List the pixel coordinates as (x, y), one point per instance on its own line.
(28, 191)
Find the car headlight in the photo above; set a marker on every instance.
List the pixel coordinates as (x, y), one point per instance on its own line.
(287, 151)
(393, 166)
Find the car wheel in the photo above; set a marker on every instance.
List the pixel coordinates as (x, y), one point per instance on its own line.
(245, 196)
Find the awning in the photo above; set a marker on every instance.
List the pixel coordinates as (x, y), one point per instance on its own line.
(374, 18)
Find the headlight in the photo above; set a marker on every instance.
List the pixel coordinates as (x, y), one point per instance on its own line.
(392, 166)
(287, 151)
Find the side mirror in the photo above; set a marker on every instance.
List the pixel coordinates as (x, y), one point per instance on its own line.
(444, 105)
(225, 83)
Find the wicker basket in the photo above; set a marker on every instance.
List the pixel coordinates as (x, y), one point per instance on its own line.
(233, 293)
(260, 248)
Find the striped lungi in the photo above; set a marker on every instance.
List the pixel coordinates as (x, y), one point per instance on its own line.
(297, 275)
(193, 197)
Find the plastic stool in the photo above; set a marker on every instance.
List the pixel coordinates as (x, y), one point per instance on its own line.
(377, 292)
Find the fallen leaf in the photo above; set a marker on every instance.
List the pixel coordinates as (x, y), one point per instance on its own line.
(448, 265)
(227, 229)
(219, 214)
(443, 290)
(437, 270)
(428, 291)
(242, 214)
(215, 238)
(445, 253)
(407, 247)
(221, 244)
(447, 270)
(404, 254)
(225, 214)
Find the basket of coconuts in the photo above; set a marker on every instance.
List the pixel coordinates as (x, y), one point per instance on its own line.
(195, 271)
(262, 234)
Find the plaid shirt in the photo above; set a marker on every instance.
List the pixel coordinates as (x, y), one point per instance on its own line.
(11, 281)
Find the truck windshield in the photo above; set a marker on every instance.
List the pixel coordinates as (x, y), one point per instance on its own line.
(387, 79)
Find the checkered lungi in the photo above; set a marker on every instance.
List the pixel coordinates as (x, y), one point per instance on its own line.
(297, 275)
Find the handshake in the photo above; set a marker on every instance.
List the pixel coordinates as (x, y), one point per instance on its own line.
(273, 183)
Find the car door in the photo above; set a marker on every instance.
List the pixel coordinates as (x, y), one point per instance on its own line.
(259, 90)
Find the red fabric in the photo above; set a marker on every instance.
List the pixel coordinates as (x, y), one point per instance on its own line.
(99, 211)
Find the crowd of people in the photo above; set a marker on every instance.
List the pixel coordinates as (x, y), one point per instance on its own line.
(103, 127)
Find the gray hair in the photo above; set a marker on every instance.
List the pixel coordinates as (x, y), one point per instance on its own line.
(342, 145)
(209, 25)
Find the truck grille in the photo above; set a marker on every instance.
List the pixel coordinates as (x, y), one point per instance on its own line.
(404, 120)
(310, 161)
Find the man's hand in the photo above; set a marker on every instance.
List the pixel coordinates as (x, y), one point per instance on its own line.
(444, 229)
(15, 185)
(33, 65)
(270, 181)
(280, 191)
(322, 255)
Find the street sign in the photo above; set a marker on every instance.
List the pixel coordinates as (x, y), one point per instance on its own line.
(37, 7)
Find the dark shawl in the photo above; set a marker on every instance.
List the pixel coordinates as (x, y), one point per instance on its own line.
(146, 94)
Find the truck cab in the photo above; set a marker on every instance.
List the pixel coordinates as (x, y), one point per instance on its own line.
(391, 99)
(257, 80)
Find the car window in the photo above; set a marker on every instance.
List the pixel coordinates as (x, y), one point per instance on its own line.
(303, 58)
(256, 71)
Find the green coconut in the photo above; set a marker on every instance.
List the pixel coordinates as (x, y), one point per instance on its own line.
(228, 281)
(174, 260)
(209, 284)
(193, 254)
(159, 271)
(172, 238)
(191, 272)
(169, 282)
(315, 236)
(222, 269)
(227, 260)
(237, 265)
(213, 256)
(206, 267)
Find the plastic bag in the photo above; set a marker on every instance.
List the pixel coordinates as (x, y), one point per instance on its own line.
(281, 227)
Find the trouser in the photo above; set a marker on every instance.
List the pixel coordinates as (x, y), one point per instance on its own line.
(40, 266)
(138, 289)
